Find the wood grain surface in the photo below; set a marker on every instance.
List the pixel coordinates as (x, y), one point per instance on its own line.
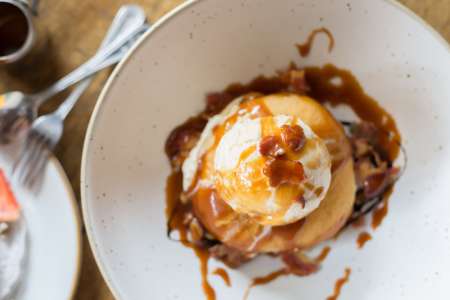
(70, 32)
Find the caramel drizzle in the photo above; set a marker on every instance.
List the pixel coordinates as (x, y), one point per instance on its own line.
(222, 273)
(265, 280)
(175, 212)
(339, 284)
(305, 48)
(363, 238)
(381, 212)
(323, 254)
(350, 92)
(282, 272)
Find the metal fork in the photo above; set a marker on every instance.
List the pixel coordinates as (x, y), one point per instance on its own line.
(46, 131)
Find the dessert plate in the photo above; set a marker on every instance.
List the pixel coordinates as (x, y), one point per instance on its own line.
(52, 233)
(203, 46)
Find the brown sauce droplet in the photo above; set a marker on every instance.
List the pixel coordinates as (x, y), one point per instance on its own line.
(339, 284)
(265, 280)
(222, 273)
(363, 238)
(381, 212)
(305, 48)
(323, 254)
(13, 29)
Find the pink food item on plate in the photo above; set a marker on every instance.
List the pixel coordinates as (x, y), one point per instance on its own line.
(9, 207)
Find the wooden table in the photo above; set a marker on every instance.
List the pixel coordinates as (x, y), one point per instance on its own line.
(72, 31)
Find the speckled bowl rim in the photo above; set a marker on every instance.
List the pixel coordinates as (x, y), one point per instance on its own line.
(111, 80)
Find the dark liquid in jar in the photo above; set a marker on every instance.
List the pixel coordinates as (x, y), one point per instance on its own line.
(13, 29)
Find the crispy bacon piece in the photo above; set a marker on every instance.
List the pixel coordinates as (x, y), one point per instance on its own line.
(293, 136)
(271, 146)
(282, 171)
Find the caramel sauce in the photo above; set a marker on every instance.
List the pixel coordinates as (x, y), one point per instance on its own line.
(363, 238)
(203, 256)
(175, 213)
(305, 48)
(247, 152)
(262, 109)
(339, 284)
(173, 191)
(323, 254)
(350, 92)
(269, 127)
(265, 280)
(222, 273)
(381, 212)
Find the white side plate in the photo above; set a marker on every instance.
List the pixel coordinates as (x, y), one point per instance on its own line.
(53, 234)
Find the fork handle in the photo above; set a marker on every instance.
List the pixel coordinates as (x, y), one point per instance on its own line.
(124, 15)
(63, 110)
(92, 65)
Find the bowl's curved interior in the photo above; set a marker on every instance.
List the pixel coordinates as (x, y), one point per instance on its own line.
(206, 46)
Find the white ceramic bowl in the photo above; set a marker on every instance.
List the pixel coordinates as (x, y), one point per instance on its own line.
(203, 46)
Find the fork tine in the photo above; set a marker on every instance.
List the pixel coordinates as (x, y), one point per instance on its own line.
(37, 157)
(24, 153)
(41, 162)
(28, 160)
(24, 158)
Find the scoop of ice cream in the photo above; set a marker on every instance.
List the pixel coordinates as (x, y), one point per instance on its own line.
(273, 169)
